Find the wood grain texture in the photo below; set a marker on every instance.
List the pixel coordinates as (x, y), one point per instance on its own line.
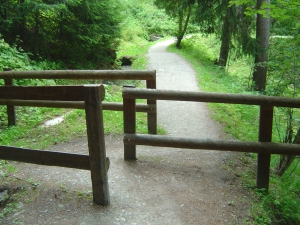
(61, 93)
(81, 74)
(209, 144)
(49, 158)
(211, 97)
(96, 143)
(129, 117)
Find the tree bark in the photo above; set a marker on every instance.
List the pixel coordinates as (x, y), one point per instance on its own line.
(261, 57)
(226, 38)
(183, 28)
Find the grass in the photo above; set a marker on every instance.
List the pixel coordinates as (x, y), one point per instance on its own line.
(282, 203)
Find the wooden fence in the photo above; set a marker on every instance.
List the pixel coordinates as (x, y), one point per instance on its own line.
(148, 76)
(263, 147)
(96, 161)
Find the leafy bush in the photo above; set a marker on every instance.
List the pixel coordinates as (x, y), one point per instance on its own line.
(148, 19)
(16, 59)
(82, 34)
(11, 57)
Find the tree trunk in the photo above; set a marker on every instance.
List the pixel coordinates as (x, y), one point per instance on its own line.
(286, 160)
(183, 28)
(261, 57)
(226, 38)
(3, 12)
(21, 26)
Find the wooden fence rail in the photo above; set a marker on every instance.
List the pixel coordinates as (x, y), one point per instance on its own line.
(149, 76)
(263, 147)
(75, 105)
(96, 161)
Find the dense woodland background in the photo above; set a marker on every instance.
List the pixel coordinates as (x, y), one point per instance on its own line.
(240, 46)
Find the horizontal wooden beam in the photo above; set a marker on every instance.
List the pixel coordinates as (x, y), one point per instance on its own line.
(63, 93)
(74, 105)
(59, 93)
(208, 144)
(210, 97)
(49, 158)
(81, 74)
(44, 103)
(119, 107)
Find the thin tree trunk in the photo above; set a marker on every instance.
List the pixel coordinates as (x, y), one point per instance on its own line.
(226, 37)
(261, 57)
(286, 160)
(3, 12)
(182, 29)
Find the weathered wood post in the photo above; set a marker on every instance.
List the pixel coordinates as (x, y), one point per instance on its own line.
(265, 135)
(152, 116)
(10, 109)
(94, 95)
(129, 113)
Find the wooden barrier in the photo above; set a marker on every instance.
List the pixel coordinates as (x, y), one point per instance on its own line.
(148, 76)
(210, 144)
(264, 147)
(75, 105)
(96, 161)
(11, 114)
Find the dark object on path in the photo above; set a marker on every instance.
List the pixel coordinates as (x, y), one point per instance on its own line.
(127, 60)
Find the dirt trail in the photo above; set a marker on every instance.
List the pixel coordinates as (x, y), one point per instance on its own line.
(164, 186)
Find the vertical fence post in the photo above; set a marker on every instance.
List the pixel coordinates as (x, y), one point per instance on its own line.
(129, 113)
(152, 117)
(265, 135)
(10, 109)
(94, 95)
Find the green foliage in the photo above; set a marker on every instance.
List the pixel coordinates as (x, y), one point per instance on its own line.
(283, 69)
(11, 57)
(8, 209)
(14, 57)
(230, 25)
(79, 33)
(6, 168)
(181, 11)
(281, 205)
(143, 19)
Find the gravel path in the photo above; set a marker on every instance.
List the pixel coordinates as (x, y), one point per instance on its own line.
(164, 186)
(186, 119)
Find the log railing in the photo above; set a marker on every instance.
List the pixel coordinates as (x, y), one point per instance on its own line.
(96, 161)
(148, 76)
(263, 147)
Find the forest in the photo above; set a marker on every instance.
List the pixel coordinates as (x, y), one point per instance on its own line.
(237, 46)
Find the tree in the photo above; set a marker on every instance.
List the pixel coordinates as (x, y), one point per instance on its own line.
(226, 36)
(262, 38)
(181, 10)
(211, 15)
(79, 33)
